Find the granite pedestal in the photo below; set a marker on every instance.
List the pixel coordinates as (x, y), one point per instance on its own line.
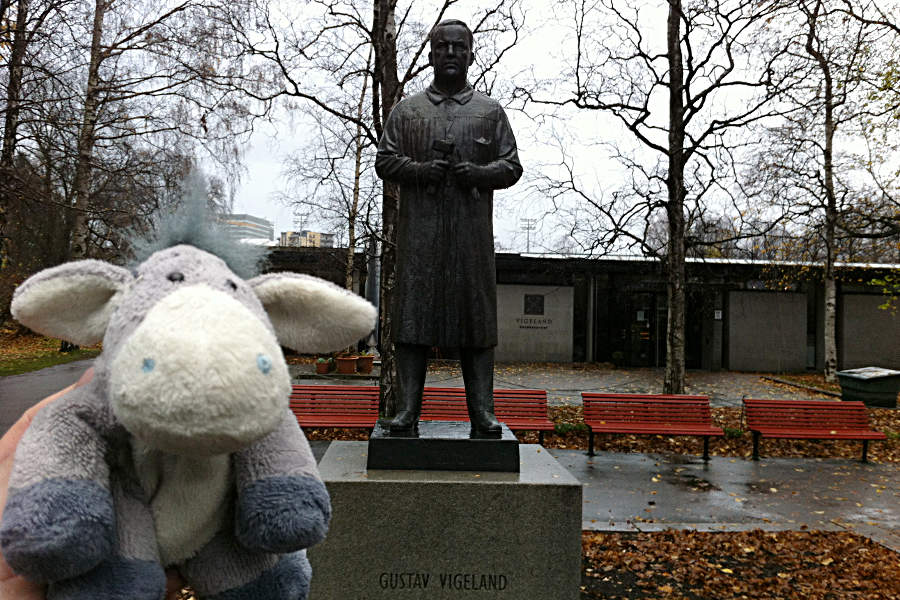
(448, 534)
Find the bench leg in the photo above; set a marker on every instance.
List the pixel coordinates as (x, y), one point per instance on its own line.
(590, 442)
(706, 447)
(865, 450)
(541, 438)
(755, 445)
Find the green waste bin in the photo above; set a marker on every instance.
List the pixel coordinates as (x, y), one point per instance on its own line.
(876, 386)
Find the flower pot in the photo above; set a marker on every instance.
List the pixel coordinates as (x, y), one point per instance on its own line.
(364, 364)
(346, 365)
(322, 368)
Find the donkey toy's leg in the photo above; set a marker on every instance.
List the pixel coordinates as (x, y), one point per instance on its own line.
(225, 570)
(133, 571)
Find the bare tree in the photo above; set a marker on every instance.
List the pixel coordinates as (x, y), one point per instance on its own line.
(835, 196)
(148, 74)
(711, 78)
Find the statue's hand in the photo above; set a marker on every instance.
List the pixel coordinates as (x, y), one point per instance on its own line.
(469, 175)
(434, 171)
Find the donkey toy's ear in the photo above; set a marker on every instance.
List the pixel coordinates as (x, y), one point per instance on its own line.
(72, 301)
(313, 315)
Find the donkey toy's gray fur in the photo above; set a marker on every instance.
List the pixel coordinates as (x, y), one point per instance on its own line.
(181, 452)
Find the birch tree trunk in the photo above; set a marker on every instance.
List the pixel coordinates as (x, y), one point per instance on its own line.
(831, 362)
(357, 173)
(675, 274)
(86, 138)
(386, 93)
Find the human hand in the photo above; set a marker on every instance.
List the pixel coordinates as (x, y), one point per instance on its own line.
(468, 174)
(434, 171)
(12, 586)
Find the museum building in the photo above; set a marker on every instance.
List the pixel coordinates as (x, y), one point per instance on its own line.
(741, 315)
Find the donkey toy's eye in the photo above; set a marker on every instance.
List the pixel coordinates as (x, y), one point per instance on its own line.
(232, 285)
(176, 277)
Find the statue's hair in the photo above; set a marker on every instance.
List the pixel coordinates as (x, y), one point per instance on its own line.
(449, 22)
(192, 222)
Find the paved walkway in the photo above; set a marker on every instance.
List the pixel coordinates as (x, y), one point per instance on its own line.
(564, 383)
(18, 393)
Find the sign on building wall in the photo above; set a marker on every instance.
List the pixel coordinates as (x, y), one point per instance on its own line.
(534, 323)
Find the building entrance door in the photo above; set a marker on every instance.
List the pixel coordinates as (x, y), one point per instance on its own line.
(641, 340)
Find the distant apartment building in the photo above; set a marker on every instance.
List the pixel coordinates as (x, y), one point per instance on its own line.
(241, 226)
(307, 239)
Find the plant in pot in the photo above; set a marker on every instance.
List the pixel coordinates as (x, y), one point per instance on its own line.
(346, 363)
(365, 361)
(323, 365)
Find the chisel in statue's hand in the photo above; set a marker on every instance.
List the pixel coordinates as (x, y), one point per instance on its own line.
(444, 149)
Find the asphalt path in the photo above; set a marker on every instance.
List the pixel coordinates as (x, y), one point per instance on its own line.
(18, 393)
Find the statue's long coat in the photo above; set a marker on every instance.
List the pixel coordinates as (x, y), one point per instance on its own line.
(446, 292)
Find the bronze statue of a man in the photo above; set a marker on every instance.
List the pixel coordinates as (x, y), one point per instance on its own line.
(448, 148)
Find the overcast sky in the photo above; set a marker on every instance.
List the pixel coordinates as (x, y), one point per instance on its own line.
(543, 49)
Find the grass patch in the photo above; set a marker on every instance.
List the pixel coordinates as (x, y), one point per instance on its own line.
(733, 432)
(566, 428)
(30, 352)
(25, 365)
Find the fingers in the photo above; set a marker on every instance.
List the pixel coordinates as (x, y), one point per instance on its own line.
(13, 587)
(464, 167)
(174, 584)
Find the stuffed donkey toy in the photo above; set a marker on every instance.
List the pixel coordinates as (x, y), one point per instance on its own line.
(182, 450)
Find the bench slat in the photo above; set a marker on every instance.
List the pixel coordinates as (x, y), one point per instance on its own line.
(351, 406)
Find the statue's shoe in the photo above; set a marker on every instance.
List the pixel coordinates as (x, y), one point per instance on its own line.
(405, 423)
(485, 425)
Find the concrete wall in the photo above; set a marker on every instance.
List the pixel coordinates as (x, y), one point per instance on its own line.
(871, 336)
(766, 331)
(543, 337)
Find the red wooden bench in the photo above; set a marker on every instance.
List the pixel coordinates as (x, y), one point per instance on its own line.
(351, 406)
(521, 410)
(356, 406)
(648, 414)
(809, 420)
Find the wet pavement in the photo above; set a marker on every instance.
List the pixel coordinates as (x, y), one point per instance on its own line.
(643, 492)
(649, 492)
(18, 393)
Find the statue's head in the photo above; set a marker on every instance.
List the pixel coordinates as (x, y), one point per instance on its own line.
(452, 51)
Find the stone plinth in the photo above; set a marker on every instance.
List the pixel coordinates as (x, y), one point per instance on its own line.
(443, 446)
(440, 535)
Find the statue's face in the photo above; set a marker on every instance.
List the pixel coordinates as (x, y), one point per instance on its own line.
(451, 53)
